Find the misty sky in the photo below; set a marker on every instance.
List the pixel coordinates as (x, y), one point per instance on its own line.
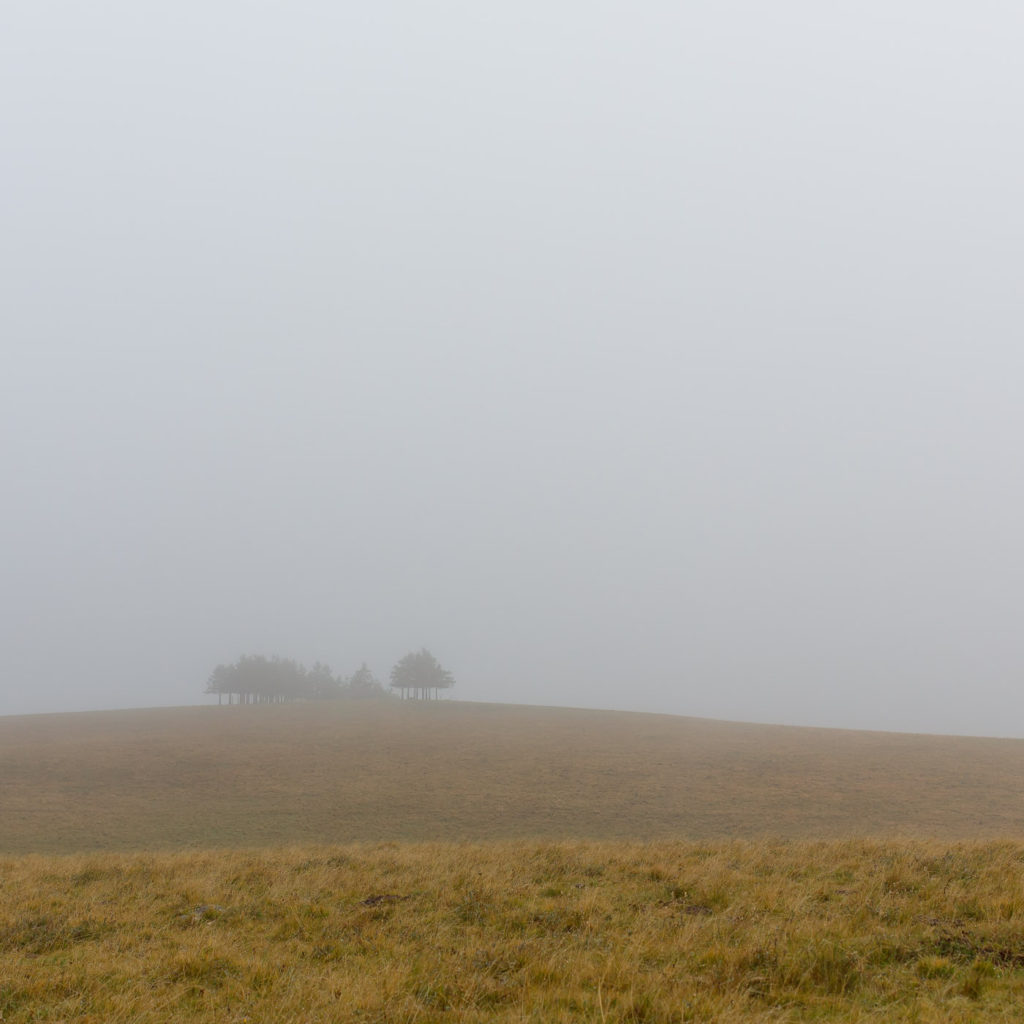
(663, 356)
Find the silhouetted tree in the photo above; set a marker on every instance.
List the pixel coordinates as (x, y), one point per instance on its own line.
(364, 684)
(419, 676)
(220, 682)
(254, 679)
(323, 683)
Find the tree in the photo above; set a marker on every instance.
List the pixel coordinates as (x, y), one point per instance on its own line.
(254, 679)
(321, 680)
(220, 682)
(419, 676)
(364, 684)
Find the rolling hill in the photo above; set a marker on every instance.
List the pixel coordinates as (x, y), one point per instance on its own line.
(368, 772)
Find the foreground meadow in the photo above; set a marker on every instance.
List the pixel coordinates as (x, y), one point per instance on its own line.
(607, 932)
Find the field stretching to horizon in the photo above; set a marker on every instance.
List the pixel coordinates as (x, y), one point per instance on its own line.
(368, 771)
(453, 863)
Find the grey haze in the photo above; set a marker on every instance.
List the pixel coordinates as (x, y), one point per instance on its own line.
(663, 356)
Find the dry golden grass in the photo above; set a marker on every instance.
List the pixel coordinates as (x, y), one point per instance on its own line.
(349, 771)
(544, 932)
(522, 926)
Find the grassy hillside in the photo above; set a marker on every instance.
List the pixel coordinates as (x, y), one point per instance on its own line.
(349, 771)
(612, 933)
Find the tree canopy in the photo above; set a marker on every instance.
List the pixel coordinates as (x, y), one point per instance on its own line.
(363, 683)
(419, 676)
(255, 679)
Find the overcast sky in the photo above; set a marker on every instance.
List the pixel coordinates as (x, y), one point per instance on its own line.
(664, 356)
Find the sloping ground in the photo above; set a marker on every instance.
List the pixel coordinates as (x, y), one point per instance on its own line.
(348, 771)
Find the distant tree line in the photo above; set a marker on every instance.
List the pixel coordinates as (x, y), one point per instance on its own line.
(255, 679)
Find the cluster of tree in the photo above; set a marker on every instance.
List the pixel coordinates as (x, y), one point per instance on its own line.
(255, 679)
(418, 676)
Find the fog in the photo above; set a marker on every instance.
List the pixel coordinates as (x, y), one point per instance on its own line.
(661, 357)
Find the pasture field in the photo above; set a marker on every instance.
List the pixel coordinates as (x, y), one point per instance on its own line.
(349, 771)
(615, 933)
